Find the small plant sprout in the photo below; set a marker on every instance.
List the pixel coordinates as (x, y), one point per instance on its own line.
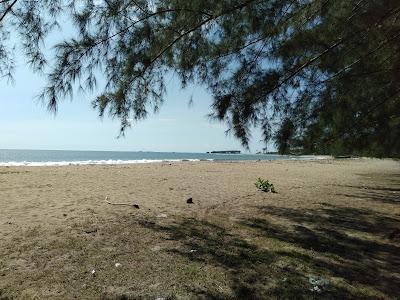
(265, 185)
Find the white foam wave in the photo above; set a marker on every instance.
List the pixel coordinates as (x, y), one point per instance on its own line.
(91, 162)
(310, 157)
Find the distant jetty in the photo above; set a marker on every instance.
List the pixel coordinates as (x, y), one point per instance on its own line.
(225, 152)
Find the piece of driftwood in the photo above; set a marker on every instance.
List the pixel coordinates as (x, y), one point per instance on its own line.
(123, 204)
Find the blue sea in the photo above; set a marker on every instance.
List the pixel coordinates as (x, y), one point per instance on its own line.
(62, 157)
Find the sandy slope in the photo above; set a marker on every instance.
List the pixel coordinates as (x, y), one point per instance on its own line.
(46, 213)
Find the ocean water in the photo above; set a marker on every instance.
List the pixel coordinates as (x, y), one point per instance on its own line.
(61, 157)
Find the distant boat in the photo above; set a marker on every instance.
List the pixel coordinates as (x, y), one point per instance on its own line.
(225, 152)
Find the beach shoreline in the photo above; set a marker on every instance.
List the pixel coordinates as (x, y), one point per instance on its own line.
(64, 158)
(144, 161)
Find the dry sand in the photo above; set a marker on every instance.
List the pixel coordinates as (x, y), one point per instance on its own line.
(56, 227)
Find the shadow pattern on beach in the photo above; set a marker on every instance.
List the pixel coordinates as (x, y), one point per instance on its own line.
(387, 192)
(247, 266)
(345, 236)
(374, 193)
(348, 246)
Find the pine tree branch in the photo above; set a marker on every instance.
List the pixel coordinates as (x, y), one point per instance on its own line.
(199, 25)
(126, 29)
(339, 42)
(8, 9)
(238, 50)
(382, 44)
(394, 94)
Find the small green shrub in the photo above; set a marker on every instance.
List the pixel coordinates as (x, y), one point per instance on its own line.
(265, 185)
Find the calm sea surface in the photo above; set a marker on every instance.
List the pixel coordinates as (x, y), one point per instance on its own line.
(59, 157)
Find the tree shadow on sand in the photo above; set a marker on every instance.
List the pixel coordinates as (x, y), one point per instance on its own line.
(255, 274)
(350, 243)
(388, 193)
(248, 267)
(348, 246)
(373, 193)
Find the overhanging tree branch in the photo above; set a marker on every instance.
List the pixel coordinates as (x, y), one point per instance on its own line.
(8, 9)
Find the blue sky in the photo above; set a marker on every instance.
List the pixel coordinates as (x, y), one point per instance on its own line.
(26, 124)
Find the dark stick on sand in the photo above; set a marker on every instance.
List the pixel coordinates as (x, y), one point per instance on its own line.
(124, 204)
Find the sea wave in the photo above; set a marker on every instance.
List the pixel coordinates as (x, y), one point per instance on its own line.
(311, 157)
(92, 162)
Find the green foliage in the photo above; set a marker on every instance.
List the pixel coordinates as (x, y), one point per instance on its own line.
(321, 76)
(265, 185)
(284, 136)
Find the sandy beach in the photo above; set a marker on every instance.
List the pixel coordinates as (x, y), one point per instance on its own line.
(61, 239)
